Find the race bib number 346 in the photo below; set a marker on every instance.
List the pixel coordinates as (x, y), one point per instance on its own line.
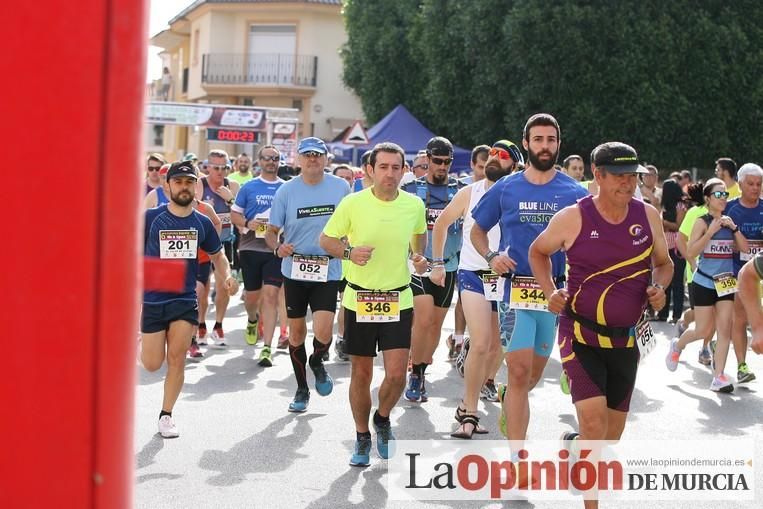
(377, 307)
(178, 244)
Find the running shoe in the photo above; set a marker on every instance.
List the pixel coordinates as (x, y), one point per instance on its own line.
(194, 351)
(566, 442)
(252, 334)
(452, 348)
(744, 374)
(721, 383)
(361, 456)
(301, 400)
(501, 392)
(413, 391)
(217, 336)
(424, 394)
(202, 335)
(461, 359)
(384, 436)
(265, 359)
(704, 357)
(671, 360)
(339, 349)
(324, 384)
(564, 382)
(283, 341)
(167, 428)
(489, 392)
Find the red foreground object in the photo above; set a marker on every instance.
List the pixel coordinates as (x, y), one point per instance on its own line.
(164, 275)
(72, 124)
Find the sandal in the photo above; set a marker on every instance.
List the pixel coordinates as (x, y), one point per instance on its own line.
(467, 419)
(461, 413)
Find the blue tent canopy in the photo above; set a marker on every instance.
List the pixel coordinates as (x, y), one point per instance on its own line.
(401, 127)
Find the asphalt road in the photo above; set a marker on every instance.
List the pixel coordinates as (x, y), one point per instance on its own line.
(240, 448)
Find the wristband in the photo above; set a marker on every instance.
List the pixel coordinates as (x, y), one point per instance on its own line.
(438, 260)
(275, 251)
(489, 256)
(659, 286)
(735, 230)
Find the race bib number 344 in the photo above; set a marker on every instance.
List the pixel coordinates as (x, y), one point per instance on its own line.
(178, 244)
(526, 294)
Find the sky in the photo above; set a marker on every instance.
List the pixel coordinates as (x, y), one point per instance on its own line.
(160, 12)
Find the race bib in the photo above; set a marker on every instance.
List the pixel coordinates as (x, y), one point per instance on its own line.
(526, 294)
(377, 307)
(259, 232)
(432, 215)
(755, 247)
(178, 244)
(725, 283)
(224, 219)
(310, 268)
(492, 285)
(645, 337)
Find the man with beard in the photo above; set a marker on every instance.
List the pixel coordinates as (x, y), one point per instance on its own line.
(430, 301)
(476, 283)
(175, 232)
(523, 204)
(260, 267)
(243, 167)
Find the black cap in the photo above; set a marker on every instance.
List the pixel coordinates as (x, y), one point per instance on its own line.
(616, 157)
(439, 146)
(182, 169)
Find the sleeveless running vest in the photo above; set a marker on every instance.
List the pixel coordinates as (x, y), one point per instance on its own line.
(610, 269)
(222, 208)
(470, 259)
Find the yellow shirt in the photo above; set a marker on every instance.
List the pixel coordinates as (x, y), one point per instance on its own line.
(686, 227)
(388, 227)
(734, 191)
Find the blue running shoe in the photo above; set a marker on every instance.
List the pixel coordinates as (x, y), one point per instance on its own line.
(324, 384)
(301, 400)
(383, 437)
(361, 456)
(413, 391)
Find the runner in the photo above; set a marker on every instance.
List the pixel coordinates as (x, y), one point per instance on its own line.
(158, 195)
(216, 190)
(726, 170)
(260, 266)
(747, 212)
(713, 238)
(618, 262)
(153, 165)
(749, 293)
(302, 207)
(382, 223)
(475, 281)
(174, 232)
(523, 204)
(430, 301)
(243, 168)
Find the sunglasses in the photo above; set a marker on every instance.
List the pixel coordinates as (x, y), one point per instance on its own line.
(218, 167)
(154, 168)
(422, 166)
(501, 153)
(311, 154)
(441, 162)
(270, 158)
(721, 195)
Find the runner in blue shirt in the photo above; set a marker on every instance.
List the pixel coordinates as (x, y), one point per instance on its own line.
(747, 213)
(260, 267)
(176, 232)
(301, 208)
(523, 204)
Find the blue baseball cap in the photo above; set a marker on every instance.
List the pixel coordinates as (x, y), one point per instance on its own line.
(312, 144)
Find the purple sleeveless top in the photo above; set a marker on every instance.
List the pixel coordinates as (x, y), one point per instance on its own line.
(610, 268)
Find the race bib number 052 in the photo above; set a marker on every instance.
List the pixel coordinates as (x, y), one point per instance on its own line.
(178, 244)
(377, 307)
(310, 268)
(526, 294)
(644, 337)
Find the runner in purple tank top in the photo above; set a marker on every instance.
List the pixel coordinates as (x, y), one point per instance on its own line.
(618, 262)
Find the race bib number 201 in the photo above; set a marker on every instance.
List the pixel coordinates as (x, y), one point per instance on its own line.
(178, 244)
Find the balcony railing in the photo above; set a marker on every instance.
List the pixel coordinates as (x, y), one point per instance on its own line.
(259, 69)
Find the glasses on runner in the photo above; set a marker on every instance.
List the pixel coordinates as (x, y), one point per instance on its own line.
(311, 154)
(721, 195)
(501, 153)
(270, 158)
(422, 166)
(218, 167)
(154, 168)
(441, 162)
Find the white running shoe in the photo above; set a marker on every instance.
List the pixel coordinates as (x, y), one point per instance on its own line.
(721, 383)
(167, 428)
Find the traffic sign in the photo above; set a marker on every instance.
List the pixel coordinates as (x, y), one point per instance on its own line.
(356, 135)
